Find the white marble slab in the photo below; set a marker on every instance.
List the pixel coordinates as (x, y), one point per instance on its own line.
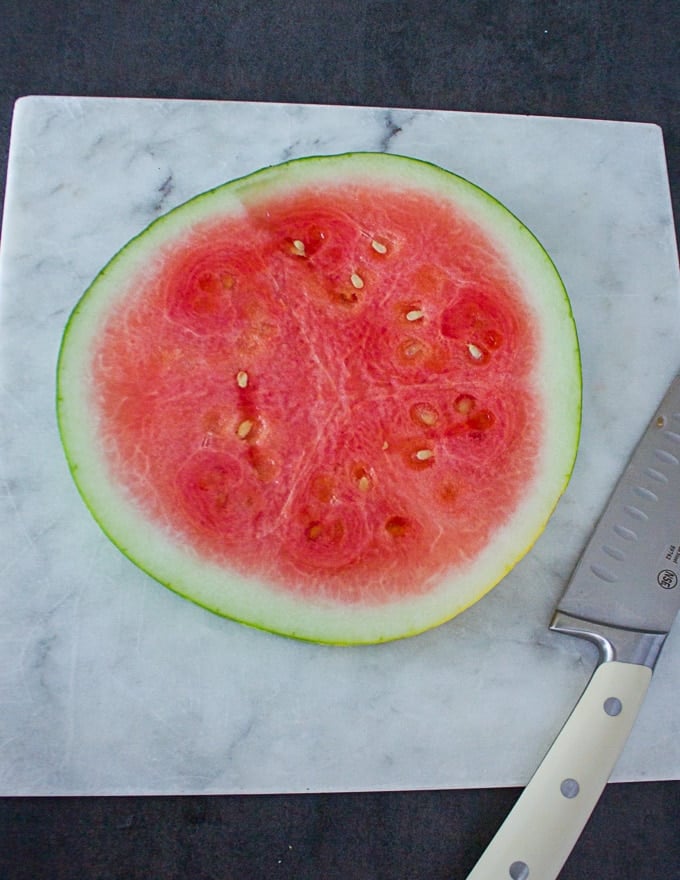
(111, 684)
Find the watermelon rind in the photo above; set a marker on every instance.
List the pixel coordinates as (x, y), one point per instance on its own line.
(168, 559)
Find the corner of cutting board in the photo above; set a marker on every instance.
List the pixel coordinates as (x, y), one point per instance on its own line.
(25, 100)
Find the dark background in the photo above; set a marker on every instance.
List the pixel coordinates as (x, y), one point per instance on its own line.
(583, 59)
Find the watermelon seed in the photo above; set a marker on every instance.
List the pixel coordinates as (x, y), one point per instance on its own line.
(481, 420)
(475, 352)
(396, 526)
(412, 348)
(242, 379)
(362, 478)
(423, 414)
(264, 465)
(299, 248)
(244, 428)
(314, 531)
(322, 487)
(357, 281)
(464, 403)
(415, 315)
(424, 454)
(378, 247)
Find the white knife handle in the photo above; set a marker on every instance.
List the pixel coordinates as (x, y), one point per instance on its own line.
(535, 840)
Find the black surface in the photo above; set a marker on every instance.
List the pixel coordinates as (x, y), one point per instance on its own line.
(595, 59)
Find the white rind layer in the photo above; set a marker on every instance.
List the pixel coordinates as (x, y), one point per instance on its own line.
(166, 556)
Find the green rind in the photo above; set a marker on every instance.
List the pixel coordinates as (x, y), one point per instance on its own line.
(243, 191)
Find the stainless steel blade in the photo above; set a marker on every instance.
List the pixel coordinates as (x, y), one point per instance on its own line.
(629, 574)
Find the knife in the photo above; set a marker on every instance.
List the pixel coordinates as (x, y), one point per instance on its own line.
(623, 596)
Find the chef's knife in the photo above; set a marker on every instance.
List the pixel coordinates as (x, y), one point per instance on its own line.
(623, 595)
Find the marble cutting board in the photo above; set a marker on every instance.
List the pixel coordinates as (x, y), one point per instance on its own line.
(111, 684)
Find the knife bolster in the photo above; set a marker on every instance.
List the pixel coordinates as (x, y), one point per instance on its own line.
(613, 643)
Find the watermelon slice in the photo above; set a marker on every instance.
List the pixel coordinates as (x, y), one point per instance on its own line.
(337, 399)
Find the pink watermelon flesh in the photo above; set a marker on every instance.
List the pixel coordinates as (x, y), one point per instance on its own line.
(333, 394)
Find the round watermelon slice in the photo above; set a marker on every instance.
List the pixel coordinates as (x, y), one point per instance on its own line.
(337, 399)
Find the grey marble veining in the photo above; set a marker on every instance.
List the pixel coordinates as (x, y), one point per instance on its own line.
(111, 684)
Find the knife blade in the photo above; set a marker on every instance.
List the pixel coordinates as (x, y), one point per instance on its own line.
(623, 596)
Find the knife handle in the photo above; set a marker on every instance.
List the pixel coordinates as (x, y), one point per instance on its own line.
(535, 840)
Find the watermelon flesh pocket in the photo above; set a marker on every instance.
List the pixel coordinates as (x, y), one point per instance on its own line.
(337, 399)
